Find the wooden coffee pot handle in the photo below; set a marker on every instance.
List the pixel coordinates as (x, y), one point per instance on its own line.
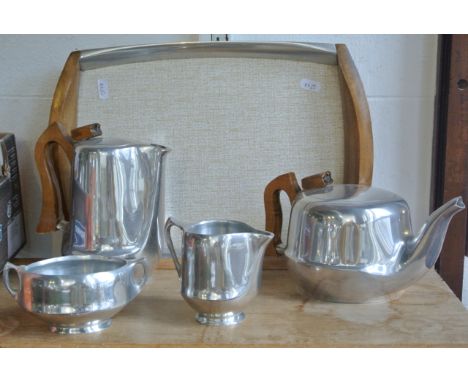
(52, 210)
(51, 196)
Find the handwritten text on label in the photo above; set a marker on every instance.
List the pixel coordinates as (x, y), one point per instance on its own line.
(310, 85)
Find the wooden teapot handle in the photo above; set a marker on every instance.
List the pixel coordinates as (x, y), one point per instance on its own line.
(51, 190)
(287, 183)
(273, 213)
(51, 196)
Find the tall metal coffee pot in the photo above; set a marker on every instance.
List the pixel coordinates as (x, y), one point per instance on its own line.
(117, 197)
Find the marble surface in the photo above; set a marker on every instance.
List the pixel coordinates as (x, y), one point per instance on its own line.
(426, 315)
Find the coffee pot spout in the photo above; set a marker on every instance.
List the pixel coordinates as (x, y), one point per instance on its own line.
(428, 243)
(162, 150)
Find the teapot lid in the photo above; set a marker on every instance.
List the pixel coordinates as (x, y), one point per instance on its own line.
(347, 225)
(350, 195)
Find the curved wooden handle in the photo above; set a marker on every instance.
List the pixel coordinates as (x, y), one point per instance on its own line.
(317, 181)
(51, 199)
(358, 148)
(273, 213)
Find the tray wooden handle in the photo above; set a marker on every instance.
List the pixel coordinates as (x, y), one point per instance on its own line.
(51, 194)
(287, 183)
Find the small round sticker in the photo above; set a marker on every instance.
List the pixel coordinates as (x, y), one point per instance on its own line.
(310, 85)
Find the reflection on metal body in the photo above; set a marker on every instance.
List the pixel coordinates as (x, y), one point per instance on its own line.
(220, 267)
(99, 58)
(118, 201)
(351, 243)
(76, 294)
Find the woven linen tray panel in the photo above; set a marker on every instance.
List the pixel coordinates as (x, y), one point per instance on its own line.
(232, 124)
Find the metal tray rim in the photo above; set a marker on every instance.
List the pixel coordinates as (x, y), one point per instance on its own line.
(295, 51)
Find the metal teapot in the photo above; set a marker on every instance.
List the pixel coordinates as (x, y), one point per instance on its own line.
(117, 195)
(353, 243)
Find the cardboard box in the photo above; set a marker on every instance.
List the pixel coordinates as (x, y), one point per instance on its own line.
(12, 231)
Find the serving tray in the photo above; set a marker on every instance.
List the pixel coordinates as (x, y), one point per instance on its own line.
(235, 115)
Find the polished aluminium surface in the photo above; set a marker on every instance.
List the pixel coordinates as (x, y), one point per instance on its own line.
(76, 294)
(220, 267)
(117, 200)
(99, 58)
(351, 243)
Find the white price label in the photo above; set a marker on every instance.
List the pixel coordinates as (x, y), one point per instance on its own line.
(310, 85)
(103, 89)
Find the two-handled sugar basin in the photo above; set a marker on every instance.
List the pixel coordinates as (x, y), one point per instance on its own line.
(220, 267)
(76, 294)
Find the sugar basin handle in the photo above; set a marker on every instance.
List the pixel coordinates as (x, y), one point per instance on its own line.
(6, 278)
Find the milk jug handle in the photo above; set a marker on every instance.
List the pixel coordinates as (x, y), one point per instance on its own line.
(170, 222)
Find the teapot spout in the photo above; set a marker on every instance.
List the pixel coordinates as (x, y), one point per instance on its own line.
(428, 243)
